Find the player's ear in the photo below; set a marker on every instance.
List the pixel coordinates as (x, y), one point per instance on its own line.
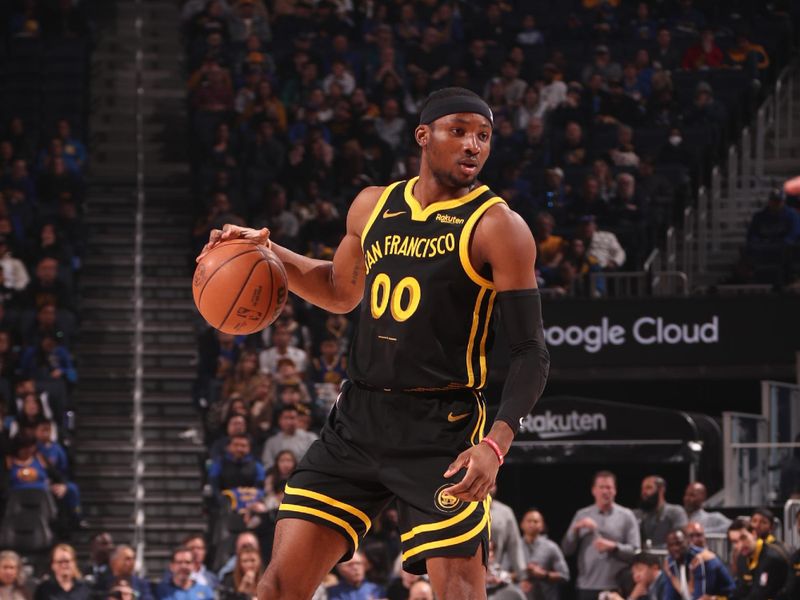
(421, 135)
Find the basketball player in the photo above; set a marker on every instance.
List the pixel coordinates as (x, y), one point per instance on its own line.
(428, 260)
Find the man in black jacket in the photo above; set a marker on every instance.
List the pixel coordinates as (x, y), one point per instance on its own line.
(761, 570)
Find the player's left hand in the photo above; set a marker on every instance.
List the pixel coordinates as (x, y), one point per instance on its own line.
(233, 232)
(482, 465)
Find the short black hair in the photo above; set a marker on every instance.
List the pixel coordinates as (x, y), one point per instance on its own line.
(645, 558)
(766, 513)
(739, 524)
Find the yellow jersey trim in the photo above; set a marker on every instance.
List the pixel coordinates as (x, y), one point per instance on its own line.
(232, 497)
(440, 524)
(323, 515)
(376, 211)
(482, 347)
(463, 243)
(421, 214)
(293, 491)
(453, 541)
(473, 333)
(478, 430)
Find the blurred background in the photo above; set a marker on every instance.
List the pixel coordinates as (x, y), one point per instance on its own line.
(644, 143)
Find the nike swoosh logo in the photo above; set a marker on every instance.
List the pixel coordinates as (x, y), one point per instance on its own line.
(389, 215)
(453, 418)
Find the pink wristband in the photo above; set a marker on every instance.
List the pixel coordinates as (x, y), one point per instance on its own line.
(493, 445)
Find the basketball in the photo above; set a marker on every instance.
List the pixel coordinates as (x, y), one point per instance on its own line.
(240, 287)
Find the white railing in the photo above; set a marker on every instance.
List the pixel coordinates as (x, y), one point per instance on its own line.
(714, 205)
(755, 446)
(703, 210)
(791, 537)
(138, 337)
(688, 243)
(744, 458)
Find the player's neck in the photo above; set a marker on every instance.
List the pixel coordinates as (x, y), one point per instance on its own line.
(428, 190)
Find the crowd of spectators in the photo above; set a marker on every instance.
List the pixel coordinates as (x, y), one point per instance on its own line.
(43, 161)
(604, 111)
(657, 551)
(607, 115)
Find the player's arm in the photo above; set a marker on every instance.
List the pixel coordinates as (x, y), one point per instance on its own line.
(503, 241)
(336, 286)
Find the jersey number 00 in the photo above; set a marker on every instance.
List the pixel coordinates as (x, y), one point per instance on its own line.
(382, 296)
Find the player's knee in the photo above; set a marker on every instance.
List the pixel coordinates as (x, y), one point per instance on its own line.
(274, 585)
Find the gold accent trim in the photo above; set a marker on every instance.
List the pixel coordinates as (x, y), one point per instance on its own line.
(463, 242)
(323, 515)
(473, 332)
(482, 346)
(293, 491)
(440, 524)
(421, 214)
(376, 211)
(478, 430)
(453, 540)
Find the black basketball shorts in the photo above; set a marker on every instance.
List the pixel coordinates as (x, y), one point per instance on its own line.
(379, 446)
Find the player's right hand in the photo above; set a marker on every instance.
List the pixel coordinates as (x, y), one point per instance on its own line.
(234, 232)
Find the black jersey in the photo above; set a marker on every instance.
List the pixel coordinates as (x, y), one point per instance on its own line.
(426, 314)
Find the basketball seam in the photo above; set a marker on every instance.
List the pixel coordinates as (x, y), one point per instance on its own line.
(210, 277)
(239, 295)
(271, 292)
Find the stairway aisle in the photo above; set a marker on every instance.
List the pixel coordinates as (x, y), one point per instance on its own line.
(104, 399)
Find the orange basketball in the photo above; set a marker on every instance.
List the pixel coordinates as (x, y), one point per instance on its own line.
(240, 287)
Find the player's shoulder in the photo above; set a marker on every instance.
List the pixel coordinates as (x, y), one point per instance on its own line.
(364, 204)
(500, 225)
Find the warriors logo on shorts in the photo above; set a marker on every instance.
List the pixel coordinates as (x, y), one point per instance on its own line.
(444, 501)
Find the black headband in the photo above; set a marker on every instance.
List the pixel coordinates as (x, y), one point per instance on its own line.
(440, 107)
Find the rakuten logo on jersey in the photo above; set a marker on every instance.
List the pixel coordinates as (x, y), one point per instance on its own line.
(550, 426)
(646, 331)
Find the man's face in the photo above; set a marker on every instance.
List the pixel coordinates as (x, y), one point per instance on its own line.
(644, 574)
(696, 534)
(43, 433)
(649, 487)
(353, 571)
(239, 448)
(573, 133)
(47, 315)
(532, 523)
(604, 490)
(281, 337)
(181, 566)
(664, 38)
(101, 547)
(456, 147)
(478, 49)
(198, 549)
(8, 571)
(46, 270)
(761, 525)
(535, 128)
(237, 425)
(63, 564)
(677, 545)
(288, 421)
(123, 563)
(743, 541)
(693, 497)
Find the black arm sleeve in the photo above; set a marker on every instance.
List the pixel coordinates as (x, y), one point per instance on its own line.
(521, 313)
